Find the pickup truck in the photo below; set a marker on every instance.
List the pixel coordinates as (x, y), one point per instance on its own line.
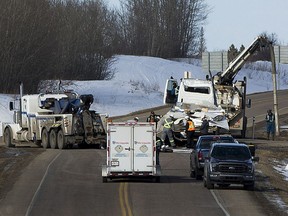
(229, 164)
(202, 147)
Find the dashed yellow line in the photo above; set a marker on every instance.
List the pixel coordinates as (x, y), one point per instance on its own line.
(124, 201)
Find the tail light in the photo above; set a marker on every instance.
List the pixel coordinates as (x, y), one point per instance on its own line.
(200, 155)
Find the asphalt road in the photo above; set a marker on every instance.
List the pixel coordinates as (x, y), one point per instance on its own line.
(69, 182)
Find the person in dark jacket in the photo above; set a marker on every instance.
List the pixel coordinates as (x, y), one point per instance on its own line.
(270, 124)
(204, 126)
(190, 130)
(153, 118)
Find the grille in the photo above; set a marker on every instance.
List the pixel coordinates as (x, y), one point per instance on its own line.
(232, 168)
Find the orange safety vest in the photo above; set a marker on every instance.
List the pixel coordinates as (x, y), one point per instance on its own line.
(191, 126)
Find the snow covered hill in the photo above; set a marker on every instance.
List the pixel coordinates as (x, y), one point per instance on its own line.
(139, 84)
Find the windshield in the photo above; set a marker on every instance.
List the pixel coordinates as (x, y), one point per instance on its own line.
(231, 153)
(206, 143)
(203, 90)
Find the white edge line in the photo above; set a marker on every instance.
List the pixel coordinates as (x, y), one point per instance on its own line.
(40, 185)
(221, 206)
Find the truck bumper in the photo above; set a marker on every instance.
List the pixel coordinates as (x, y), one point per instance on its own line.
(245, 179)
(107, 173)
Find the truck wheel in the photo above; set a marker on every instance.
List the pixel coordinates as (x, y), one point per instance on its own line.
(104, 180)
(8, 137)
(197, 175)
(61, 140)
(53, 139)
(192, 173)
(208, 183)
(45, 139)
(204, 182)
(157, 179)
(249, 187)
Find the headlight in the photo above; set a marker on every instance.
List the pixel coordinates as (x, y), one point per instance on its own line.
(250, 168)
(213, 167)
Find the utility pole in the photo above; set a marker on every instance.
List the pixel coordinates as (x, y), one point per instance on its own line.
(274, 88)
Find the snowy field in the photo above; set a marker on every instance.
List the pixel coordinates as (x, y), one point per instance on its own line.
(139, 83)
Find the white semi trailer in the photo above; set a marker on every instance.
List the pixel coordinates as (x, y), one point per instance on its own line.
(131, 151)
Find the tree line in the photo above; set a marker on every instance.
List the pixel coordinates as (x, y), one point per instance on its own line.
(77, 39)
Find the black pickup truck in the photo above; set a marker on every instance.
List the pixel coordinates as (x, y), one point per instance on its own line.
(202, 147)
(229, 164)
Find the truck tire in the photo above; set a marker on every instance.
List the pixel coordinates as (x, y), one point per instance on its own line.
(198, 176)
(249, 187)
(8, 137)
(45, 138)
(192, 173)
(61, 140)
(53, 139)
(157, 179)
(208, 183)
(104, 179)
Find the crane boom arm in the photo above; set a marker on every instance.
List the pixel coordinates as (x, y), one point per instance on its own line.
(235, 66)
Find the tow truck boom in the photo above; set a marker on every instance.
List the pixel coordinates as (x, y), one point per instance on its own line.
(227, 76)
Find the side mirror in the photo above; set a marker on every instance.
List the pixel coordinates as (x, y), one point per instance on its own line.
(248, 104)
(255, 159)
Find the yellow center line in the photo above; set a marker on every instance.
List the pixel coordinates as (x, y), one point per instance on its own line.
(127, 200)
(124, 201)
(121, 188)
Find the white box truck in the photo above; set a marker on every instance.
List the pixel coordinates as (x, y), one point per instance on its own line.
(131, 151)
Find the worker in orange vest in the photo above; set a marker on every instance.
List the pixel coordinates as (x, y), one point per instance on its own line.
(190, 130)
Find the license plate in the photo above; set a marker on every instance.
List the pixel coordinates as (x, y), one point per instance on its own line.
(114, 163)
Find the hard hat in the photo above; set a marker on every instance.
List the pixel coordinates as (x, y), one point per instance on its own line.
(136, 119)
(187, 117)
(171, 115)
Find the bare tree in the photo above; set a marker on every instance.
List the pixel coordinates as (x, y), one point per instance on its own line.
(202, 43)
(25, 41)
(53, 39)
(163, 28)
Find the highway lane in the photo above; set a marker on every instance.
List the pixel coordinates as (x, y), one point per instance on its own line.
(70, 183)
(261, 102)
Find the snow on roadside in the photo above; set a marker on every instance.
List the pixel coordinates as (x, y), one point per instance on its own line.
(282, 168)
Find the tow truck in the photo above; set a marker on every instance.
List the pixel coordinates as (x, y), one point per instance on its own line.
(56, 120)
(219, 98)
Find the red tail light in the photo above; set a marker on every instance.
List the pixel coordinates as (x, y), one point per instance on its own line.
(200, 155)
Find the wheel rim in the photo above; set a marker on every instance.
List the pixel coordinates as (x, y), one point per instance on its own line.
(53, 139)
(45, 139)
(61, 140)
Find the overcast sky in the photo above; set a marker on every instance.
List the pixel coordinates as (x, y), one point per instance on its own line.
(240, 21)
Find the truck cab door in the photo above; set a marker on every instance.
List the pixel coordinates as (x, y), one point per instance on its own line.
(171, 91)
